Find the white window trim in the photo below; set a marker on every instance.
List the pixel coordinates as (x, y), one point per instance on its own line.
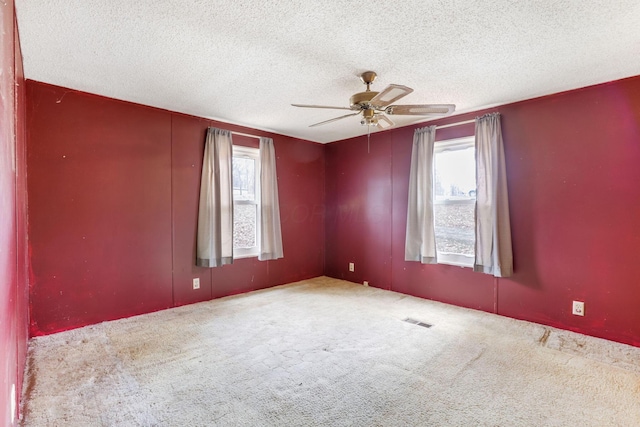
(254, 154)
(459, 260)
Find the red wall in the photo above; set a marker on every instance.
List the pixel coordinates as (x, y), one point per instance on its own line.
(573, 174)
(113, 200)
(22, 250)
(13, 266)
(113, 190)
(359, 210)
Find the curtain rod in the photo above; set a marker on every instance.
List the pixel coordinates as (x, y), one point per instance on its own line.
(245, 134)
(456, 124)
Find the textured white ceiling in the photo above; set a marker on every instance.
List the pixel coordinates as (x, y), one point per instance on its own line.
(246, 61)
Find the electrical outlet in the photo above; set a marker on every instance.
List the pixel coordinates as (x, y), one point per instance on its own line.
(578, 308)
(196, 283)
(352, 267)
(365, 283)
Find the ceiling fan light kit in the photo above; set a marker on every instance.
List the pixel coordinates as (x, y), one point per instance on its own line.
(373, 106)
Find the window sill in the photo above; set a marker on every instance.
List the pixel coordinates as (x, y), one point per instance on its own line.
(245, 255)
(458, 260)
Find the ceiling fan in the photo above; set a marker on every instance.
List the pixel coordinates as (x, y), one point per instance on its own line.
(375, 105)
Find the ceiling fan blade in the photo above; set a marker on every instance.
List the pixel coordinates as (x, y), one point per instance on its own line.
(421, 110)
(320, 106)
(389, 95)
(384, 122)
(334, 119)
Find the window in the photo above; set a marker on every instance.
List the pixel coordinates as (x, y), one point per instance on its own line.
(455, 200)
(246, 194)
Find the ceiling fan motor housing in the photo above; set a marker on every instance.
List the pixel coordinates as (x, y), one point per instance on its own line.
(361, 100)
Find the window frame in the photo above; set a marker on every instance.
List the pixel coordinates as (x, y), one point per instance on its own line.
(242, 151)
(451, 258)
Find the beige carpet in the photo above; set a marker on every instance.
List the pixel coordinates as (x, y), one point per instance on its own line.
(325, 352)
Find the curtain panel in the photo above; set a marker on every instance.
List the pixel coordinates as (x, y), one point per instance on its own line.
(215, 211)
(420, 241)
(493, 229)
(270, 230)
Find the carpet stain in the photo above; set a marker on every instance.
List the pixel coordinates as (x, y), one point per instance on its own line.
(545, 337)
(31, 374)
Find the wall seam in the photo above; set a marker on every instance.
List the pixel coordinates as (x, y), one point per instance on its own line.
(324, 209)
(391, 134)
(495, 294)
(173, 282)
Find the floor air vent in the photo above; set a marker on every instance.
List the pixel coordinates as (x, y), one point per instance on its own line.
(417, 322)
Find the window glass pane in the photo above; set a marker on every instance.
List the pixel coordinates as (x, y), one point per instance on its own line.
(455, 175)
(455, 227)
(455, 194)
(244, 178)
(244, 225)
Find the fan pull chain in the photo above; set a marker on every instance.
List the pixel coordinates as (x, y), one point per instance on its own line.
(368, 139)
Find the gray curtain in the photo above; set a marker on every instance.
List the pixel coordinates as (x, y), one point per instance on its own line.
(215, 213)
(493, 228)
(270, 233)
(420, 243)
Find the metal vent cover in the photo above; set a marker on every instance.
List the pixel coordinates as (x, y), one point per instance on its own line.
(417, 322)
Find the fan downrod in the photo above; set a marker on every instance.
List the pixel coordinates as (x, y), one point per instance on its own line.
(361, 100)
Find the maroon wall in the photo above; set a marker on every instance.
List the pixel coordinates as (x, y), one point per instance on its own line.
(22, 250)
(113, 196)
(99, 208)
(359, 210)
(300, 166)
(13, 266)
(572, 166)
(113, 190)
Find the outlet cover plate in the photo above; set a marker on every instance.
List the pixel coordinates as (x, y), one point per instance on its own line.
(196, 283)
(578, 308)
(352, 267)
